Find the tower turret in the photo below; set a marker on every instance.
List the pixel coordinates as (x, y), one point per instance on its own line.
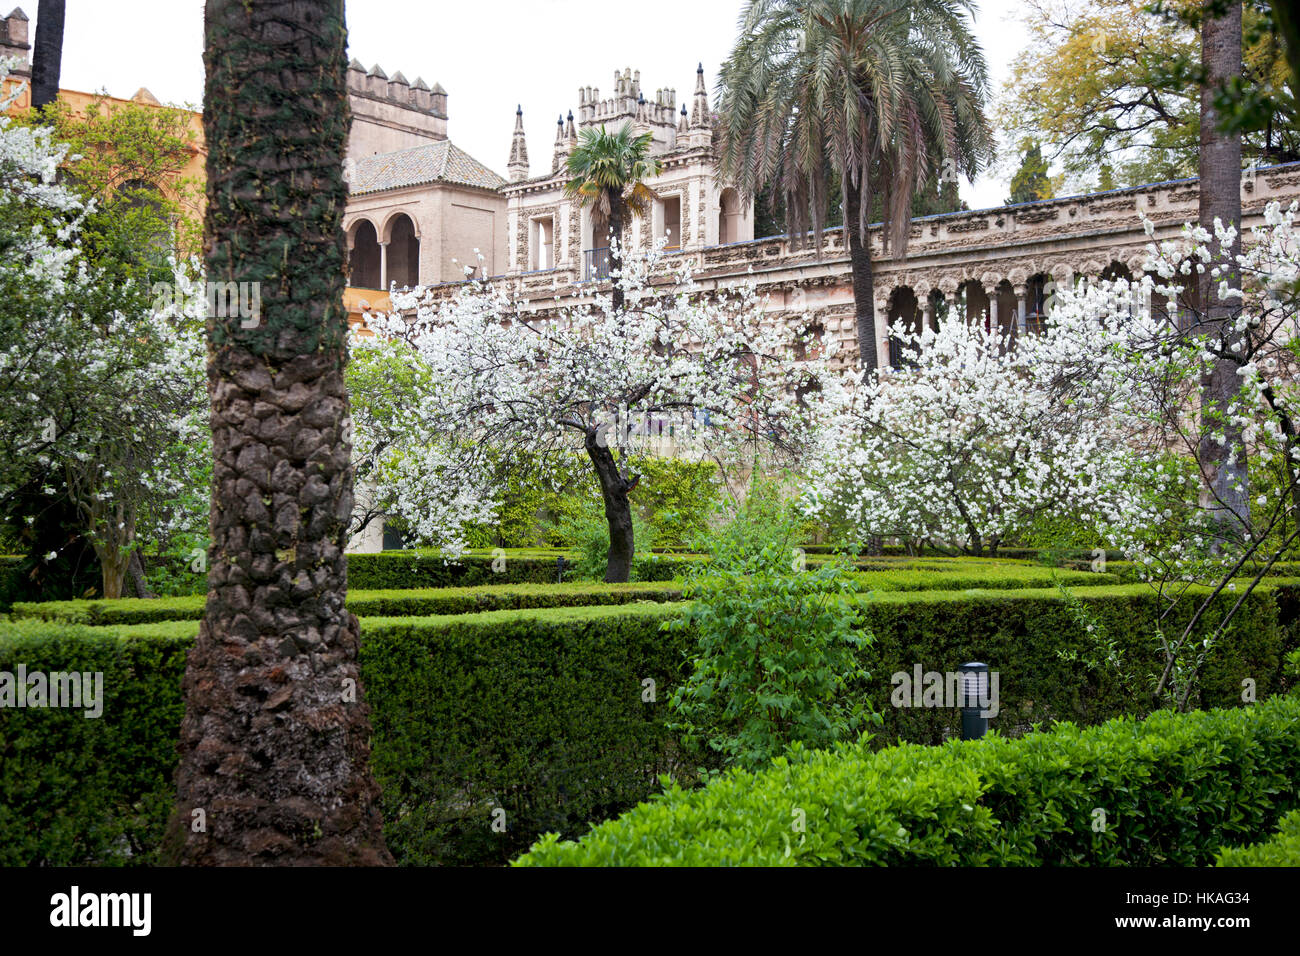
(701, 113)
(517, 168)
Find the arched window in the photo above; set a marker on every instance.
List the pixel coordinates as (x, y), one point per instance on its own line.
(139, 211)
(728, 217)
(364, 265)
(403, 252)
(903, 308)
(1038, 295)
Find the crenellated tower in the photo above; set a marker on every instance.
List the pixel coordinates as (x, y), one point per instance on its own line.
(14, 42)
(392, 114)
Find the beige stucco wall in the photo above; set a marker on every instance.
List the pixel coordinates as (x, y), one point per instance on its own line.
(450, 222)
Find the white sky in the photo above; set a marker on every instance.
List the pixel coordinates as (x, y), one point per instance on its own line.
(490, 55)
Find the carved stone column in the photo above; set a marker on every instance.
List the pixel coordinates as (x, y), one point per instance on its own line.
(1021, 293)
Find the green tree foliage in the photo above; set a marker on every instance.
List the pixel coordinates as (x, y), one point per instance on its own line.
(1116, 83)
(1031, 182)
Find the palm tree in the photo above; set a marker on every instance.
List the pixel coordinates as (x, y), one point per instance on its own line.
(275, 742)
(608, 171)
(47, 56)
(879, 94)
(1223, 455)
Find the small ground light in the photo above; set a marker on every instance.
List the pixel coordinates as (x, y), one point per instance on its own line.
(975, 687)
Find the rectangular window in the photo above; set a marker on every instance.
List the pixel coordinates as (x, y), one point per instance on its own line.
(672, 222)
(542, 244)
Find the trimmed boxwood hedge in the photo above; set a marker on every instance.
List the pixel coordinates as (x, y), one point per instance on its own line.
(393, 603)
(91, 791)
(536, 712)
(1282, 850)
(1169, 790)
(503, 596)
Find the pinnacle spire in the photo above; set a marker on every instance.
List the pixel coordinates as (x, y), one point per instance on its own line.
(518, 165)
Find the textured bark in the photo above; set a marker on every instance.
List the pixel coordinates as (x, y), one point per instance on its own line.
(616, 260)
(135, 571)
(47, 52)
(614, 490)
(864, 289)
(1220, 196)
(275, 740)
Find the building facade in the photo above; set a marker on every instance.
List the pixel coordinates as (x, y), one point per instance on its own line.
(421, 210)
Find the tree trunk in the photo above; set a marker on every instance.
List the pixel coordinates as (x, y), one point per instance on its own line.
(864, 289)
(275, 743)
(47, 52)
(616, 246)
(1220, 196)
(135, 571)
(618, 509)
(112, 563)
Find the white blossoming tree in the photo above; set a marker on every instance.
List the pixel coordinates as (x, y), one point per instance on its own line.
(1152, 354)
(101, 384)
(1103, 415)
(963, 447)
(674, 371)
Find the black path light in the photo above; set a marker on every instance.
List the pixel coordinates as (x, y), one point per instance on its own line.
(974, 678)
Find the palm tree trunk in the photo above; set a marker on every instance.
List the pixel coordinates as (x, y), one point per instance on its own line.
(47, 54)
(616, 250)
(275, 742)
(618, 509)
(864, 290)
(864, 304)
(1220, 197)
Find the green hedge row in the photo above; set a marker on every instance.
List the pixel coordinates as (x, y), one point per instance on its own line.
(1282, 850)
(75, 790)
(401, 570)
(420, 602)
(1170, 790)
(1028, 635)
(977, 576)
(537, 712)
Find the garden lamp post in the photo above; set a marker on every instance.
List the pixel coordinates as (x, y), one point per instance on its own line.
(974, 678)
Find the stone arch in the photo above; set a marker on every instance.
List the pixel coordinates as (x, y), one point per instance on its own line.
(728, 216)
(1117, 270)
(1006, 309)
(365, 259)
(402, 249)
(1039, 289)
(904, 308)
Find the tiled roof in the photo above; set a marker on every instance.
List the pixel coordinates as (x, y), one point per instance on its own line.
(439, 162)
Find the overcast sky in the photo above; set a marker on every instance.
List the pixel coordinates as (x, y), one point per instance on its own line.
(490, 55)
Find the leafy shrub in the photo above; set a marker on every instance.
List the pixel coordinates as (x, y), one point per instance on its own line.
(1171, 791)
(676, 499)
(1282, 850)
(778, 649)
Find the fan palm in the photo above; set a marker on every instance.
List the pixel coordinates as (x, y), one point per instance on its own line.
(879, 94)
(608, 171)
